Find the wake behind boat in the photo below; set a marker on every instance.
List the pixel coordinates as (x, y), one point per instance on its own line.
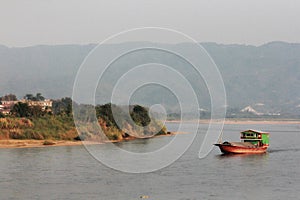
(252, 142)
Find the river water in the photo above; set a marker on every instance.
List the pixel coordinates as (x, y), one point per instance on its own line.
(72, 173)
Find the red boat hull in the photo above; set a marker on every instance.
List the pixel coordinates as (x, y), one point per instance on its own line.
(225, 148)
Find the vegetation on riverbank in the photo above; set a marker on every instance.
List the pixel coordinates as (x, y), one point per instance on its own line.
(32, 122)
(115, 122)
(39, 128)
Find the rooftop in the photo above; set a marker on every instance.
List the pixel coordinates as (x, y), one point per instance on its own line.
(255, 131)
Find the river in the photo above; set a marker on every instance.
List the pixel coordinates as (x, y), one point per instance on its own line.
(70, 172)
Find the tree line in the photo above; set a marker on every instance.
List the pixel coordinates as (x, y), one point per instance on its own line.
(29, 97)
(63, 107)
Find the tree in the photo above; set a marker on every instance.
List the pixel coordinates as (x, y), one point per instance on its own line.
(29, 97)
(9, 97)
(105, 112)
(36, 111)
(21, 110)
(62, 106)
(39, 97)
(68, 105)
(140, 115)
(24, 110)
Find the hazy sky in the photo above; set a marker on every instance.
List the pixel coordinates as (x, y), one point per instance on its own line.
(31, 22)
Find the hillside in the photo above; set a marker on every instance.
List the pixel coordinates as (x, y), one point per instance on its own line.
(268, 75)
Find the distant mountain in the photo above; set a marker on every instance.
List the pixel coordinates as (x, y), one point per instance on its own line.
(268, 75)
(48, 69)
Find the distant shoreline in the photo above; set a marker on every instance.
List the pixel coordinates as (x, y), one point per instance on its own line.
(242, 121)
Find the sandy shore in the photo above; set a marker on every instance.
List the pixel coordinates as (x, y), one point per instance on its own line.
(13, 143)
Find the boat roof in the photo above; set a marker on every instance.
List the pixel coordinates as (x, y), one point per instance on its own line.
(255, 131)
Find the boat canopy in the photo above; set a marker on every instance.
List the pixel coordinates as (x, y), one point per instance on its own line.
(254, 131)
(255, 137)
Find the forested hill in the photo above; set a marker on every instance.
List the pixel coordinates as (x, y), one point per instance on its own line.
(267, 75)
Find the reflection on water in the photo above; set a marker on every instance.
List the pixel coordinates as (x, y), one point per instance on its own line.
(292, 150)
(145, 145)
(246, 156)
(71, 173)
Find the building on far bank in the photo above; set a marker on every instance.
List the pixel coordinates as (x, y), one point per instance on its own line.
(6, 106)
(45, 104)
(3, 110)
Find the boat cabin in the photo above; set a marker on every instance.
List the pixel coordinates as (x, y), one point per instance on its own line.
(255, 137)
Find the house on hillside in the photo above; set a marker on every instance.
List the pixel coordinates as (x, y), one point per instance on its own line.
(6, 106)
(3, 110)
(46, 104)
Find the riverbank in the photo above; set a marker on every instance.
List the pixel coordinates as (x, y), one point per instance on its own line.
(15, 143)
(29, 143)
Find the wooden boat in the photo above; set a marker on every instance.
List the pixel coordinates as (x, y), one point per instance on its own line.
(252, 142)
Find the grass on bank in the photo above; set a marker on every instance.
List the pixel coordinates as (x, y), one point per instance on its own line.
(40, 128)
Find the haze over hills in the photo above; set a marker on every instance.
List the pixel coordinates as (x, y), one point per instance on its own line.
(266, 77)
